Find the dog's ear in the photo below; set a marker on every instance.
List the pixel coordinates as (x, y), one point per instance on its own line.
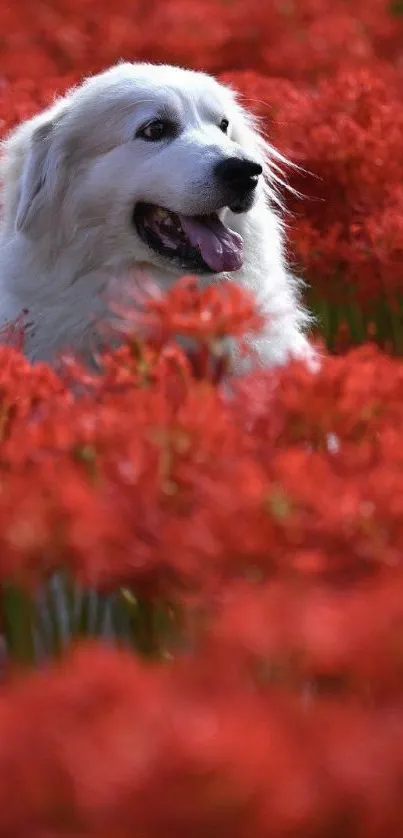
(38, 177)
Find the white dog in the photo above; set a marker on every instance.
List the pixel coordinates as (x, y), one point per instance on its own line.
(149, 167)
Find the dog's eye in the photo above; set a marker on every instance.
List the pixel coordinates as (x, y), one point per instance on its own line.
(153, 131)
(224, 125)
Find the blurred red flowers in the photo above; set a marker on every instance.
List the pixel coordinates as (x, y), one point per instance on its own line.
(121, 748)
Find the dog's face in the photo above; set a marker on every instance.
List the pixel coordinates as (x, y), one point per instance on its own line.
(144, 164)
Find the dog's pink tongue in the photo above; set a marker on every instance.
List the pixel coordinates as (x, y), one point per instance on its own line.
(220, 247)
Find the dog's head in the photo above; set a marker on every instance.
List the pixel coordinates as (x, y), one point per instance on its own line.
(141, 163)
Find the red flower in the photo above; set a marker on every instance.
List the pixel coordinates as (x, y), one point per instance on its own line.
(206, 314)
(111, 738)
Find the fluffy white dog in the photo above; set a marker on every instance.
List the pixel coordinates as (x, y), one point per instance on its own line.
(149, 167)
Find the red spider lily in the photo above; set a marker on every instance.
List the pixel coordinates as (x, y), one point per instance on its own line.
(111, 737)
(205, 314)
(289, 40)
(303, 634)
(202, 318)
(161, 482)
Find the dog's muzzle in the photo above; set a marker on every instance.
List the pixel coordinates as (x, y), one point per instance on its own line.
(202, 243)
(238, 179)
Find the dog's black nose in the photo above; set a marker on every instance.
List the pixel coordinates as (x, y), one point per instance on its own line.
(238, 175)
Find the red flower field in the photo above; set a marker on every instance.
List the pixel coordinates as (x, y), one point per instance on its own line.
(202, 579)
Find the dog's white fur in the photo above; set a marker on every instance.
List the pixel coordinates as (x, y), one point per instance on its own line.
(72, 175)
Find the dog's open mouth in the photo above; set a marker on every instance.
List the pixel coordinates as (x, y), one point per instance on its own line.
(199, 243)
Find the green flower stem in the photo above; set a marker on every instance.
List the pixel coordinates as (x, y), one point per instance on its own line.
(380, 321)
(18, 614)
